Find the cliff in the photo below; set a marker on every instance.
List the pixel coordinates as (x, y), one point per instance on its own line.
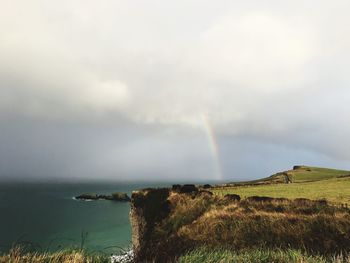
(148, 208)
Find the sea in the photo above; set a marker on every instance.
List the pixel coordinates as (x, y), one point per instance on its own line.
(46, 217)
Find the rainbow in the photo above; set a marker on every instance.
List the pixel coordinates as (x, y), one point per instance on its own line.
(214, 147)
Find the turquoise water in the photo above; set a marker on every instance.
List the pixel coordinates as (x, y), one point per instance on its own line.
(46, 217)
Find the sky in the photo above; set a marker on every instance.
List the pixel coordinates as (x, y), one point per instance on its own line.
(172, 90)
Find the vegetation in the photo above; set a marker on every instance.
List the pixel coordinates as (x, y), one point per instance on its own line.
(258, 255)
(312, 227)
(334, 190)
(296, 224)
(299, 173)
(307, 173)
(117, 196)
(120, 197)
(18, 255)
(307, 182)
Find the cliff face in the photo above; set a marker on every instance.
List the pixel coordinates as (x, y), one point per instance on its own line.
(148, 207)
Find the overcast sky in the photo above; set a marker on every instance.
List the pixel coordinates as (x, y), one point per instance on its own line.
(118, 89)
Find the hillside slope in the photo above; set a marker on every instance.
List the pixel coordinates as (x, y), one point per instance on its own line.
(335, 190)
(304, 182)
(299, 173)
(302, 173)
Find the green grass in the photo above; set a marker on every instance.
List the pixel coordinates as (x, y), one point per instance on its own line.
(335, 190)
(19, 255)
(256, 256)
(307, 173)
(308, 182)
(300, 174)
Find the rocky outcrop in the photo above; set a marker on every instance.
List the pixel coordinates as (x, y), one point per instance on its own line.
(121, 197)
(205, 192)
(87, 196)
(232, 197)
(185, 189)
(148, 207)
(296, 167)
(287, 177)
(260, 199)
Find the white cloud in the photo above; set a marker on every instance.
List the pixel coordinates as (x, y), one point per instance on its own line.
(256, 51)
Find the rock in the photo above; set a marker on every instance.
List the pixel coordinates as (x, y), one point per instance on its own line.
(305, 201)
(232, 197)
(188, 188)
(266, 199)
(205, 192)
(322, 202)
(302, 200)
(88, 196)
(260, 199)
(185, 189)
(148, 208)
(126, 257)
(296, 167)
(122, 197)
(287, 178)
(281, 199)
(105, 197)
(176, 187)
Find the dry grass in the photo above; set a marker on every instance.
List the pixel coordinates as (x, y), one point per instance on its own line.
(213, 222)
(18, 255)
(258, 255)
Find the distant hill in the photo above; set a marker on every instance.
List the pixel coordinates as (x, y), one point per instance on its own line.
(304, 182)
(299, 173)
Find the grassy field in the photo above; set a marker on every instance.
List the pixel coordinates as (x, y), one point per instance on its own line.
(308, 173)
(259, 255)
(335, 190)
(308, 182)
